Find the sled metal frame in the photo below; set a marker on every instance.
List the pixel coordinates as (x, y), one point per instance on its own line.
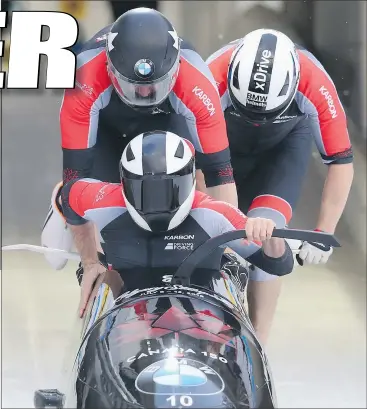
(75, 256)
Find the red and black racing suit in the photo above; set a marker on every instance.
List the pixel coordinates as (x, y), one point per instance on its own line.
(270, 161)
(96, 125)
(131, 249)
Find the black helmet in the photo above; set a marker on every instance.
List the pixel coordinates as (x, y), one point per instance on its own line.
(158, 176)
(143, 55)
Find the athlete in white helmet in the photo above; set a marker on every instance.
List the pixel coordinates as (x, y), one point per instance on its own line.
(264, 76)
(157, 195)
(277, 98)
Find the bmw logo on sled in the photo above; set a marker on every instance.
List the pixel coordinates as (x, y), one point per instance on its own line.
(186, 341)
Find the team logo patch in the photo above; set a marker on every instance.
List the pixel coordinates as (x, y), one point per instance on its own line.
(257, 100)
(180, 375)
(144, 68)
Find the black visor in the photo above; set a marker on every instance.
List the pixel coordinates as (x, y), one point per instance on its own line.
(157, 194)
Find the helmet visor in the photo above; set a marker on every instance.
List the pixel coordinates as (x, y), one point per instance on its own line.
(158, 194)
(143, 93)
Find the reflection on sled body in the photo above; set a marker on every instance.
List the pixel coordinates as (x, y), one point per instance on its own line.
(170, 346)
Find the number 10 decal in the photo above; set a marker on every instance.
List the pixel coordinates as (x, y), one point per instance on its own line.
(183, 400)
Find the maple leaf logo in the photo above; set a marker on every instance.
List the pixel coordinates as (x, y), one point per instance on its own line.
(202, 325)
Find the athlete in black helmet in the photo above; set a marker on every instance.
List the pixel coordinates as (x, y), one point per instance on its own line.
(132, 77)
(143, 73)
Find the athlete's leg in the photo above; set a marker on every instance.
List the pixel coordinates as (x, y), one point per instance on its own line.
(277, 182)
(262, 300)
(262, 289)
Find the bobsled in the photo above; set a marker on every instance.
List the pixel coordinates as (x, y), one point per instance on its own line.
(186, 341)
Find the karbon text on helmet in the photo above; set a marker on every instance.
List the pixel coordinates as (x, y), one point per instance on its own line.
(157, 172)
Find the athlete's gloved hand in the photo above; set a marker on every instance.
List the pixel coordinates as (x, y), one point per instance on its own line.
(314, 253)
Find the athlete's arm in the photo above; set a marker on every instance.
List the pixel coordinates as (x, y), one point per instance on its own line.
(196, 98)
(79, 112)
(334, 196)
(273, 256)
(83, 202)
(74, 205)
(329, 125)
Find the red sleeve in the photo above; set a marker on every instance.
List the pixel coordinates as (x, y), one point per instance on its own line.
(320, 99)
(233, 215)
(199, 102)
(80, 196)
(80, 107)
(86, 195)
(218, 64)
(217, 217)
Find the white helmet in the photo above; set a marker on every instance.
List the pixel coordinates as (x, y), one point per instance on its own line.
(157, 172)
(263, 75)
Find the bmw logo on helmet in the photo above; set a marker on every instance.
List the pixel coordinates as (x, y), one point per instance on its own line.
(144, 68)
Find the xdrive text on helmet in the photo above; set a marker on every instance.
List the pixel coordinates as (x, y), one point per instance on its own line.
(278, 99)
